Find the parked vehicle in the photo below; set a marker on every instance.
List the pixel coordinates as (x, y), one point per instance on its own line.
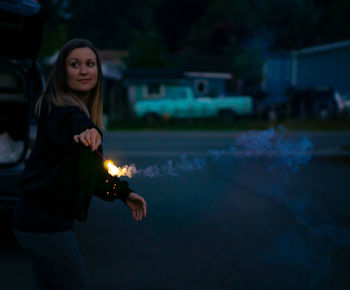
(179, 103)
(272, 108)
(343, 103)
(21, 82)
(312, 102)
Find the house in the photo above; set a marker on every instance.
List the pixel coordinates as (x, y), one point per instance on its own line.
(152, 83)
(207, 75)
(318, 66)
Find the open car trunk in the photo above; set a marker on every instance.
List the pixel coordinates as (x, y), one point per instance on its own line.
(21, 26)
(21, 82)
(14, 105)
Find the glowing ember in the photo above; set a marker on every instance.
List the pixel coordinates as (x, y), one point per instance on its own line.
(119, 171)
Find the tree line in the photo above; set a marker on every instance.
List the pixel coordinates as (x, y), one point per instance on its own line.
(241, 30)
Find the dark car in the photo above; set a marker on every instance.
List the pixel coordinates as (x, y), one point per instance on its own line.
(272, 108)
(312, 102)
(21, 82)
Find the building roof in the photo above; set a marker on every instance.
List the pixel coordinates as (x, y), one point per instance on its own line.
(113, 55)
(209, 75)
(322, 48)
(166, 73)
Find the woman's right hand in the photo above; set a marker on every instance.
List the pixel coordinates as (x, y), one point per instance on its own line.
(90, 138)
(137, 205)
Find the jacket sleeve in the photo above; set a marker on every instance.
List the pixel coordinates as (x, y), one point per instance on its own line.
(109, 187)
(63, 123)
(91, 179)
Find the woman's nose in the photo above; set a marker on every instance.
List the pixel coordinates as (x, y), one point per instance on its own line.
(83, 70)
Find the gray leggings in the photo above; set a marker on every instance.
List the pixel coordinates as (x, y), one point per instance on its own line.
(56, 259)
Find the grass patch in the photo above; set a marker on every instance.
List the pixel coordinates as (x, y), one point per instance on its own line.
(236, 125)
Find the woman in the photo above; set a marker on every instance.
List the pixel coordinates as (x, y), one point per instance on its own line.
(64, 170)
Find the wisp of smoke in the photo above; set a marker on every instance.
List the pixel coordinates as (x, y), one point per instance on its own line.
(274, 144)
(171, 168)
(286, 152)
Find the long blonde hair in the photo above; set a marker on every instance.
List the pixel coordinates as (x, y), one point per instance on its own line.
(58, 93)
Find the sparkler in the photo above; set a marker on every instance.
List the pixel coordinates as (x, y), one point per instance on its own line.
(100, 155)
(112, 170)
(115, 170)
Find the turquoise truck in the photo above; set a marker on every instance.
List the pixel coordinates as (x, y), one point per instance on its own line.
(179, 103)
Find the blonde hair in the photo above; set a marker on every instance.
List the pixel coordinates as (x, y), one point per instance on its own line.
(58, 93)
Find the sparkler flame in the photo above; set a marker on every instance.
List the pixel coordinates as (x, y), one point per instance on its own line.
(119, 171)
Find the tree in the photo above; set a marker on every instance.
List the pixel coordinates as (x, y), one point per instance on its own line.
(111, 24)
(222, 18)
(334, 20)
(147, 50)
(206, 25)
(174, 20)
(245, 61)
(55, 30)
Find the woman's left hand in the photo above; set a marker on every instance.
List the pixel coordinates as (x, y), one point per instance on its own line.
(90, 137)
(137, 205)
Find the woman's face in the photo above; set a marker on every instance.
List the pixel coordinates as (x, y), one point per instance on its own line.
(82, 71)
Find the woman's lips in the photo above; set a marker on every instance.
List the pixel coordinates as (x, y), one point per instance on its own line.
(84, 81)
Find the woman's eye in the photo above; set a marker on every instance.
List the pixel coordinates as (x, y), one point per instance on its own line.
(90, 63)
(74, 64)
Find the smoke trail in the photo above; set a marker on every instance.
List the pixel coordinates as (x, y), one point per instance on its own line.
(285, 156)
(274, 144)
(171, 168)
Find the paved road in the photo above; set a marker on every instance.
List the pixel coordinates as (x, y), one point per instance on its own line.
(194, 143)
(258, 221)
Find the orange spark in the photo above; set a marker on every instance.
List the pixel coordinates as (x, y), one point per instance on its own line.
(119, 171)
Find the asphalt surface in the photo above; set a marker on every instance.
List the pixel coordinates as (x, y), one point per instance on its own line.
(225, 215)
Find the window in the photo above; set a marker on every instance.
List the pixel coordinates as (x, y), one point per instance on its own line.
(154, 91)
(201, 87)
